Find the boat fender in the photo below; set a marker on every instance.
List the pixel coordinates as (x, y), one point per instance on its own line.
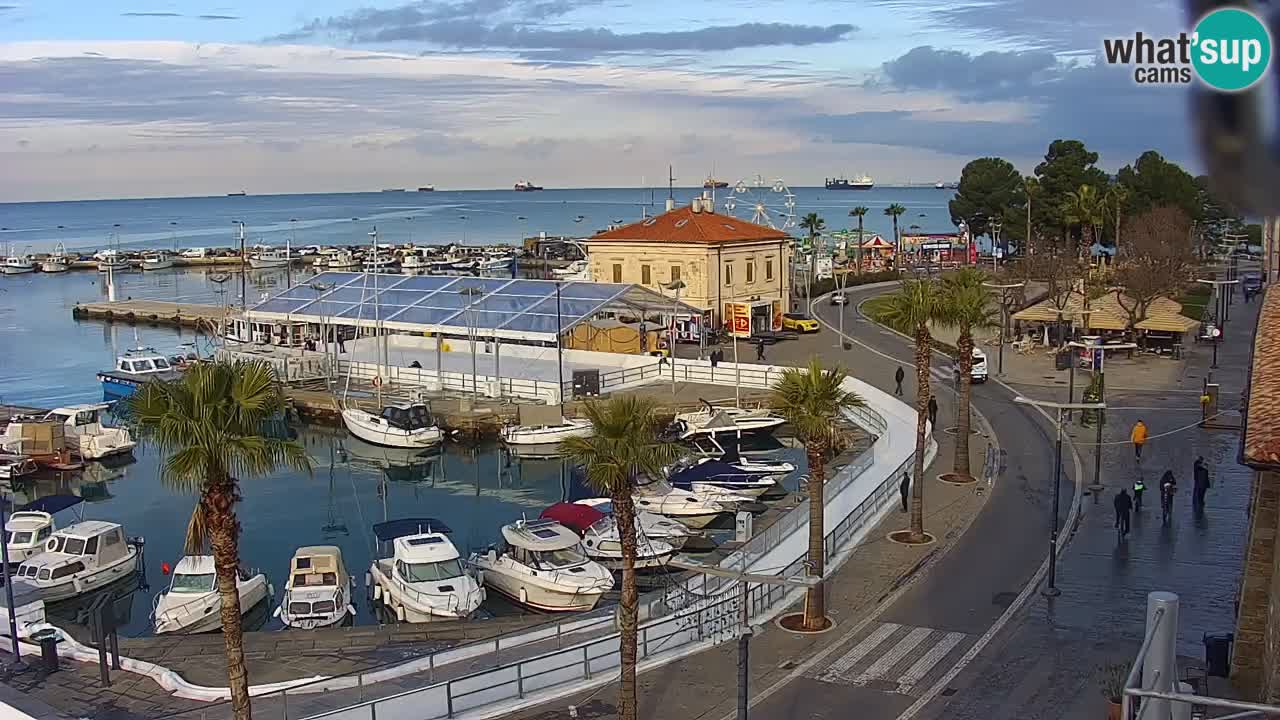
(276, 613)
(400, 614)
(524, 596)
(351, 610)
(377, 592)
(368, 579)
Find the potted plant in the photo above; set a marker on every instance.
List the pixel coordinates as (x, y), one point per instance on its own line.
(1111, 681)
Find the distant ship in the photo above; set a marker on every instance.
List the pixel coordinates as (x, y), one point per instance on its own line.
(712, 183)
(939, 185)
(393, 190)
(526, 186)
(862, 182)
(427, 188)
(237, 194)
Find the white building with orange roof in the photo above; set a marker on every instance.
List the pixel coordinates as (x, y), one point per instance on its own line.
(738, 272)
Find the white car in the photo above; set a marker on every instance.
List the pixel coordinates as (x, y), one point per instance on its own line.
(839, 298)
(978, 374)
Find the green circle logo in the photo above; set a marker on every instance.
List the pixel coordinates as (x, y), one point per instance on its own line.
(1232, 49)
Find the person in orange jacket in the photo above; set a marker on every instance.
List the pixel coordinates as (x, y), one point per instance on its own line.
(1139, 438)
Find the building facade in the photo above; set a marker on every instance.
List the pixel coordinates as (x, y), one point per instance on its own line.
(731, 269)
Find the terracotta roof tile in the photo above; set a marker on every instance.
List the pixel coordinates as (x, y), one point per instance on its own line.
(683, 225)
(1262, 434)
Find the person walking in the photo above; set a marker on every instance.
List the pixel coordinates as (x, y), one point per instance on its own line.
(1123, 504)
(1168, 488)
(933, 411)
(905, 489)
(760, 349)
(898, 377)
(1200, 482)
(1138, 488)
(1138, 436)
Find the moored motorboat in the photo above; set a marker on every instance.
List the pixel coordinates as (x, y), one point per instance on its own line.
(380, 263)
(713, 477)
(57, 262)
(30, 526)
(269, 258)
(424, 579)
(318, 592)
(717, 420)
(342, 260)
(400, 426)
(14, 466)
(653, 525)
(112, 260)
(694, 510)
(18, 264)
(413, 260)
(158, 260)
(544, 425)
(133, 369)
(93, 439)
(602, 540)
(79, 559)
(541, 564)
(192, 604)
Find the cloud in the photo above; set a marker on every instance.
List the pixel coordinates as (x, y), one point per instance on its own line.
(988, 75)
(151, 14)
(218, 17)
(520, 25)
(7, 8)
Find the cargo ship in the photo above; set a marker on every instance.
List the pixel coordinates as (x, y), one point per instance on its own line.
(862, 182)
(713, 184)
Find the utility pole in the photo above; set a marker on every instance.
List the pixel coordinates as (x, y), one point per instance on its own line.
(1051, 589)
(676, 285)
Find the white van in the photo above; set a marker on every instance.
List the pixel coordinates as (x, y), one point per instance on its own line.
(979, 372)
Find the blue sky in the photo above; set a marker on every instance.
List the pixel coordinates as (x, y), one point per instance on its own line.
(164, 97)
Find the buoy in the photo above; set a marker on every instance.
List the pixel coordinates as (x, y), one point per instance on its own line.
(164, 568)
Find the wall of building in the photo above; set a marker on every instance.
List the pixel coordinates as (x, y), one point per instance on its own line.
(1255, 665)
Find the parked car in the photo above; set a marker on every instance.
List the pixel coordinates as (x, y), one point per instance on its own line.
(839, 298)
(978, 374)
(1251, 281)
(799, 322)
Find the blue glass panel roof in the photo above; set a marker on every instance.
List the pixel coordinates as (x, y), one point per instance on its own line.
(423, 316)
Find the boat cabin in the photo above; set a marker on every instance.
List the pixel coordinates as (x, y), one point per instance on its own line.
(194, 575)
(316, 566)
(282, 334)
(31, 525)
(543, 545)
(408, 417)
(80, 419)
(140, 363)
(420, 549)
(75, 548)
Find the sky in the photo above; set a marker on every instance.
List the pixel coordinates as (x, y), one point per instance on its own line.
(145, 98)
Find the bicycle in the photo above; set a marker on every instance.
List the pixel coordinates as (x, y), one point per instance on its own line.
(1166, 503)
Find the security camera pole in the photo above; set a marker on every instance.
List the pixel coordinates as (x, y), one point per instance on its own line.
(1051, 589)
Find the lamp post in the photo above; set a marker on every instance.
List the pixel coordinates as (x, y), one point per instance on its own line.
(1219, 315)
(17, 665)
(1051, 590)
(321, 289)
(844, 278)
(995, 243)
(473, 330)
(244, 271)
(1006, 299)
(677, 285)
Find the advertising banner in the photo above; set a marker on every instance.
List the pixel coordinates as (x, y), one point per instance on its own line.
(738, 319)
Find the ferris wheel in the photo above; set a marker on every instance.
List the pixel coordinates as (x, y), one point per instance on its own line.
(763, 203)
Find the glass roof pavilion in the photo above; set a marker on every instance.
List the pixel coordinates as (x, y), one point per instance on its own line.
(508, 308)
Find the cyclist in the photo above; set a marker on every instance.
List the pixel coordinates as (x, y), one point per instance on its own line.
(1168, 488)
(1138, 487)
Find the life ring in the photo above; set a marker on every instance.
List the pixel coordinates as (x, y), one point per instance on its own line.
(377, 381)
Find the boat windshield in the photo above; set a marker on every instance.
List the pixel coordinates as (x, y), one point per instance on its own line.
(186, 583)
(68, 545)
(432, 571)
(563, 558)
(17, 538)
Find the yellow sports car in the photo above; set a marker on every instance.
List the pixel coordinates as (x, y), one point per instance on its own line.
(799, 322)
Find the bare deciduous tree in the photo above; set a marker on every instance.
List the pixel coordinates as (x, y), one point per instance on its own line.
(1157, 260)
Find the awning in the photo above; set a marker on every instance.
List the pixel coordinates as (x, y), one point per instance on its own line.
(1168, 323)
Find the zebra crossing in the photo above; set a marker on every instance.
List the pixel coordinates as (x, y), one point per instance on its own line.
(895, 658)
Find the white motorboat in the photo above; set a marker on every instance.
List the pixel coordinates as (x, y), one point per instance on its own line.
(653, 525)
(425, 579)
(601, 538)
(714, 477)
(14, 465)
(318, 591)
(413, 260)
(192, 603)
(79, 559)
(30, 526)
(541, 564)
(96, 441)
(442, 264)
(695, 510)
(577, 270)
(380, 263)
(717, 420)
(709, 446)
(544, 425)
(57, 262)
(342, 260)
(496, 262)
(112, 260)
(158, 260)
(399, 426)
(18, 264)
(269, 258)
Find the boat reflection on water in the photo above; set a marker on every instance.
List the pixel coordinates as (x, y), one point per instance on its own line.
(89, 483)
(550, 451)
(404, 465)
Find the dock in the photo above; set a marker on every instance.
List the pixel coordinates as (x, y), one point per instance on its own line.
(154, 312)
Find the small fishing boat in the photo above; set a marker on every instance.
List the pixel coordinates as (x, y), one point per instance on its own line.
(79, 559)
(18, 264)
(158, 260)
(14, 466)
(712, 477)
(133, 369)
(400, 426)
(343, 260)
(380, 263)
(94, 439)
(192, 604)
(695, 510)
(269, 258)
(57, 262)
(425, 579)
(30, 526)
(112, 260)
(602, 540)
(654, 526)
(541, 564)
(318, 591)
(717, 420)
(496, 262)
(413, 260)
(544, 425)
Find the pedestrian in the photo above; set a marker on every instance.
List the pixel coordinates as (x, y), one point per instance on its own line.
(898, 377)
(905, 489)
(933, 411)
(1139, 438)
(1168, 488)
(342, 345)
(1138, 488)
(760, 349)
(1123, 505)
(1200, 484)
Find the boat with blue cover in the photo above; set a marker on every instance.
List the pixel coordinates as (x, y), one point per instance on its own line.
(134, 368)
(705, 475)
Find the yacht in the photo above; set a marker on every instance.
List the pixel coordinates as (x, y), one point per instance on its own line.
(716, 420)
(158, 260)
(541, 564)
(544, 425)
(578, 269)
(654, 526)
(939, 185)
(526, 186)
(112, 260)
(57, 262)
(96, 441)
(343, 260)
(318, 591)
(400, 426)
(425, 579)
(14, 466)
(694, 510)
(712, 477)
(269, 258)
(192, 604)
(18, 264)
(133, 369)
(30, 526)
(601, 539)
(79, 559)
(496, 262)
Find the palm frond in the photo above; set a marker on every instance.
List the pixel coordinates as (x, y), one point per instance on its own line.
(812, 399)
(624, 446)
(914, 305)
(196, 541)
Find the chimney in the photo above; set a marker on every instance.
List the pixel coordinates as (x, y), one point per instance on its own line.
(671, 204)
(696, 205)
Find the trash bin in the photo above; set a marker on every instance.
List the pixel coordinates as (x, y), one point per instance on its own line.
(1217, 653)
(1062, 360)
(48, 640)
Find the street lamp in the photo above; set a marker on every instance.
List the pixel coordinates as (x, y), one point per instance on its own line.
(473, 330)
(1007, 295)
(1219, 319)
(677, 285)
(1052, 589)
(243, 262)
(844, 304)
(17, 665)
(995, 242)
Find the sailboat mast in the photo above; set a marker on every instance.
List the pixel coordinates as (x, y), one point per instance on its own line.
(244, 272)
(559, 354)
(377, 312)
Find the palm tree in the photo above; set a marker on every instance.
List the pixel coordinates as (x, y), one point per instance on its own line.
(625, 446)
(1117, 196)
(859, 212)
(1084, 208)
(894, 211)
(909, 311)
(1030, 190)
(966, 305)
(210, 423)
(815, 225)
(811, 399)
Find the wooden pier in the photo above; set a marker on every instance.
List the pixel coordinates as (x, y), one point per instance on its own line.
(153, 312)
